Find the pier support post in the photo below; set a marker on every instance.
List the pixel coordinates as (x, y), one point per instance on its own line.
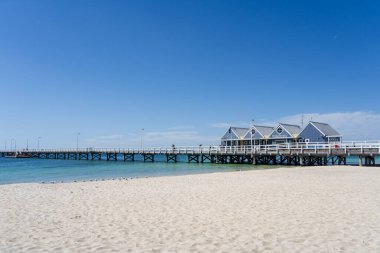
(172, 158)
(148, 157)
(111, 156)
(369, 160)
(289, 160)
(95, 156)
(221, 159)
(254, 161)
(342, 160)
(205, 158)
(373, 161)
(129, 157)
(302, 161)
(193, 158)
(274, 159)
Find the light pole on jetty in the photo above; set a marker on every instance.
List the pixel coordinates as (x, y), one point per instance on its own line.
(252, 133)
(77, 140)
(141, 138)
(38, 142)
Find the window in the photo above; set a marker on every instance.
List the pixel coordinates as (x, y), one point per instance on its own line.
(279, 130)
(253, 131)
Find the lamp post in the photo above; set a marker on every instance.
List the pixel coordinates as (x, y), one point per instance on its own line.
(141, 138)
(251, 139)
(252, 135)
(12, 144)
(77, 140)
(38, 142)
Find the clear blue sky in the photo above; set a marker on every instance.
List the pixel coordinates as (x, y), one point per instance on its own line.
(178, 69)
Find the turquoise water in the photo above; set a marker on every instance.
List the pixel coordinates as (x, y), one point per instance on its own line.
(41, 170)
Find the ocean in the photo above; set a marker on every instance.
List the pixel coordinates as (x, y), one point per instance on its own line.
(51, 170)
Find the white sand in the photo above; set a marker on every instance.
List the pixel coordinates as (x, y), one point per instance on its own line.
(319, 209)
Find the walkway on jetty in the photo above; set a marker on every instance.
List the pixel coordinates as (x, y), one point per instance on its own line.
(303, 154)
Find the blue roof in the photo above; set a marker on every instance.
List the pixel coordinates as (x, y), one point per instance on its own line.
(325, 129)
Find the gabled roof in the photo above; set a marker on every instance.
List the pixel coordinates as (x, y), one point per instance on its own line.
(240, 131)
(294, 130)
(236, 133)
(265, 131)
(325, 129)
(260, 132)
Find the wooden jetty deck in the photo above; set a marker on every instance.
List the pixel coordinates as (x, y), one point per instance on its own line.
(303, 154)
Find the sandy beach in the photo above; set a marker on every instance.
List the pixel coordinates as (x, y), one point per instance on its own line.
(314, 209)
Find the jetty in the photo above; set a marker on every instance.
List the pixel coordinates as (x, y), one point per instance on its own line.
(297, 154)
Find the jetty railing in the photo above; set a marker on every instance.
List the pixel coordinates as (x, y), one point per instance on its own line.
(305, 153)
(247, 149)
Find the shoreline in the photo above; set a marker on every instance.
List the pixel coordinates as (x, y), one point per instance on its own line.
(237, 169)
(121, 170)
(304, 209)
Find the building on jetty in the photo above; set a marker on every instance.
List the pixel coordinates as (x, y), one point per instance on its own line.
(282, 133)
(319, 132)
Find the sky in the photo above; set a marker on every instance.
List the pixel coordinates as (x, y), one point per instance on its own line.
(118, 73)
